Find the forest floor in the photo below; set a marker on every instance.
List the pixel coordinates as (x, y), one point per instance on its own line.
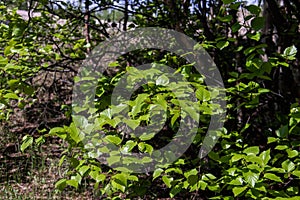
(32, 175)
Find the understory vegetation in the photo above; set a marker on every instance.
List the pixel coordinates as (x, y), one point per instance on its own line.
(47, 149)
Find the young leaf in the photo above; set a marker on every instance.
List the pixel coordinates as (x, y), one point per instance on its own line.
(265, 156)
(251, 178)
(167, 180)
(157, 173)
(290, 52)
(251, 150)
(73, 183)
(238, 190)
(292, 153)
(83, 169)
(288, 166)
(61, 184)
(74, 133)
(121, 179)
(272, 177)
(162, 80)
(237, 157)
(130, 144)
(118, 186)
(296, 173)
(114, 139)
(27, 141)
(11, 96)
(222, 44)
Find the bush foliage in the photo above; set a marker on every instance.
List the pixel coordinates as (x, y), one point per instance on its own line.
(254, 47)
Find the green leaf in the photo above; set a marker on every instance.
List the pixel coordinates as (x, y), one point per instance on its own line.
(222, 44)
(129, 145)
(210, 176)
(167, 180)
(74, 133)
(285, 64)
(55, 130)
(296, 173)
(251, 178)
(7, 50)
(267, 67)
(27, 141)
(113, 159)
(288, 165)
(133, 178)
(265, 156)
(238, 190)
(190, 173)
(3, 61)
(80, 121)
(192, 112)
(146, 136)
(17, 31)
(83, 169)
(202, 184)
(114, 64)
(175, 190)
(97, 176)
(236, 27)
(214, 188)
(61, 184)
(213, 156)
(121, 179)
(133, 124)
(272, 177)
(157, 173)
(113, 139)
(162, 80)
(203, 94)
(238, 181)
(11, 96)
(236, 5)
(251, 150)
(292, 153)
(175, 117)
(118, 186)
(228, 1)
(138, 103)
(161, 101)
(290, 52)
(226, 18)
(61, 160)
(258, 23)
(117, 109)
(254, 159)
(58, 131)
(283, 131)
(255, 36)
(281, 147)
(174, 169)
(263, 90)
(73, 183)
(145, 147)
(249, 50)
(237, 157)
(272, 139)
(253, 9)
